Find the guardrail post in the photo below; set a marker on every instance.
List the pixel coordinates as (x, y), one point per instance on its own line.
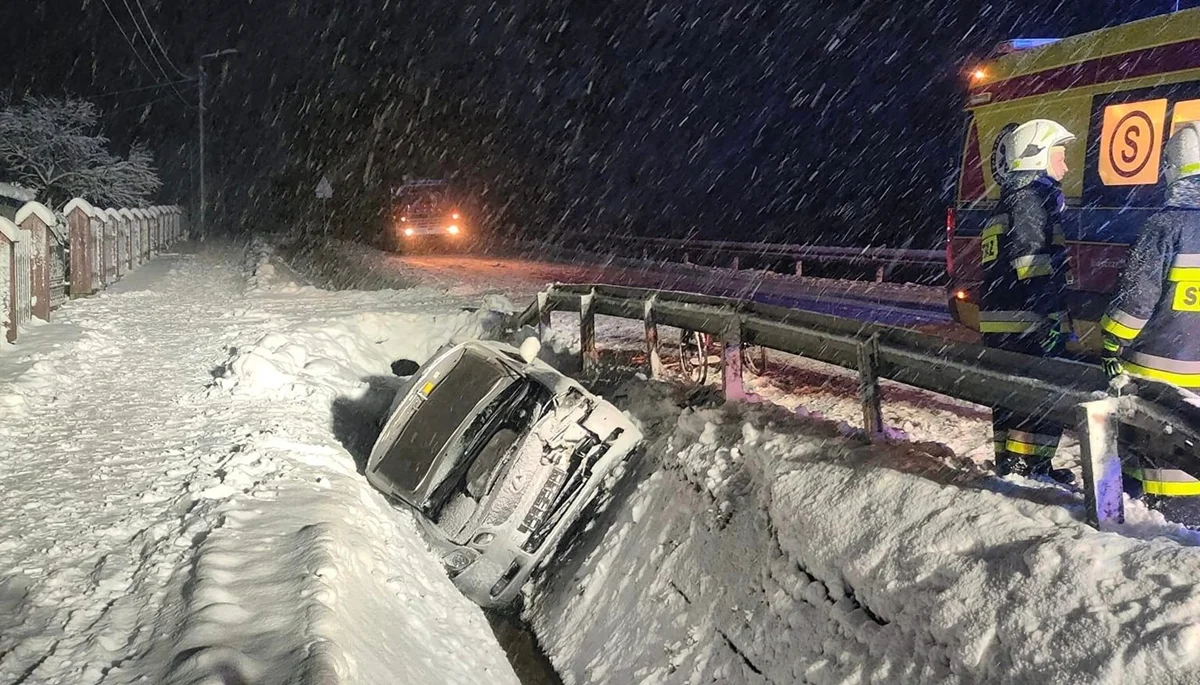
(879, 274)
(1102, 488)
(731, 360)
(868, 386)
(799, 268)
(736, 263)
(654, 359)
(543, 304)
(587, 332)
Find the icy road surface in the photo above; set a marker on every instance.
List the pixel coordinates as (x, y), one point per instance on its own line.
(162, 526)
(520, 277)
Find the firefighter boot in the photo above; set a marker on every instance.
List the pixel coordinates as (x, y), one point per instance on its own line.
(1039, 467)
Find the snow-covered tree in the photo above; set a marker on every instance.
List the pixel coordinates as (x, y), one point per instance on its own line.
(54, 146)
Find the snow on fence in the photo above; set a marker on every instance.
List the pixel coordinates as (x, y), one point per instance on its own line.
(46, 256)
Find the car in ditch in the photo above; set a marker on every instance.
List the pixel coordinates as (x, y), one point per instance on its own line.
(498, 454)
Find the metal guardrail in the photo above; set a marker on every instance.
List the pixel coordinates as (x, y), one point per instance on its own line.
(1161, 420)
(884, 260)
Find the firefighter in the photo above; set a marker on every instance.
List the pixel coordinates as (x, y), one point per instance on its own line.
(1025, 273)
(1152, 327)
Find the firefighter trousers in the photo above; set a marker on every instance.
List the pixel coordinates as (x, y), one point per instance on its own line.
(1022, 441)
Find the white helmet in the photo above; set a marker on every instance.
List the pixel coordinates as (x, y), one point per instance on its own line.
(1181, 154)
(1027, 148)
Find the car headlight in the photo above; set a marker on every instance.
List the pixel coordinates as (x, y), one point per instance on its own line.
(408, 231)
(452, 229)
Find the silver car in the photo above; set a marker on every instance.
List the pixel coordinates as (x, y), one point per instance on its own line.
(499, 455)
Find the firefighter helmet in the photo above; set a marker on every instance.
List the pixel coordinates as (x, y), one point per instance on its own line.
(1182, 153)
(1027, 148)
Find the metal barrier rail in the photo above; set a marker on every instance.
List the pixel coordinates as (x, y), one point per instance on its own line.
(730, 253)
(1161, 420)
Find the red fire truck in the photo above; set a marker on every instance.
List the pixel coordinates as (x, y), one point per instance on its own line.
(1121, 91)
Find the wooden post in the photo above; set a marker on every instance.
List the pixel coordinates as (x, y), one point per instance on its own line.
(79, 221)
(879, 274)
(100, 226)
(543, 303)
(38, 220)
(8, 279)
(1102, 487)
(731, 360)
(799, 268)
(587, 333)
(868, 386)
(653, 355)
(735, 264)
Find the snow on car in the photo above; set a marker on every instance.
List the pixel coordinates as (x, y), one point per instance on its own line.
(498, 453)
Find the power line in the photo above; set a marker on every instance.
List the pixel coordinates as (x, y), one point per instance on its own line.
(153, 56)
(163, 49)
(132, 47)
(135, 90)
(155, 101)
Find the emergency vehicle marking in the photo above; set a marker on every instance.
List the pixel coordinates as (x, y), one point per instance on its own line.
(1183, 112)
(1131, 143)
(1187, 297)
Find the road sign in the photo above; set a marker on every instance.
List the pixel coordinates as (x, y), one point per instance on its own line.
(324, 189)
(1131, 143)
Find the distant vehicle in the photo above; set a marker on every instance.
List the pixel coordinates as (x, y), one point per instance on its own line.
(498, 455)
(1121, 91)
(424, 214)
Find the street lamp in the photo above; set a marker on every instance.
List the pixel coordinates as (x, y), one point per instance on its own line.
(203, 197)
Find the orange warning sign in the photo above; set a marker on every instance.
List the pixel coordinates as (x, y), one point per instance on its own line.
(1188, 110)
(1131, 143)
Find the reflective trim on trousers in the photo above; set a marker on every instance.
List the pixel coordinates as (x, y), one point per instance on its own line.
(1168, 482)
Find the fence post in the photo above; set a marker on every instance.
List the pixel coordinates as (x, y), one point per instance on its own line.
(587, 333)
(37, 219)
(879, 274)
(100, 226)
(653, 356)
(868, 386)
(1102, 487)
(8, 278)
(735, 264)
(731, 359)
(543, 304)
(799, 268)
(79, 220)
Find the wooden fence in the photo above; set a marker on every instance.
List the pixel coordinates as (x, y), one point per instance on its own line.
(46, 256)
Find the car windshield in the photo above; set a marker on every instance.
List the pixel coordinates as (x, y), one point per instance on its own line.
(450, 404)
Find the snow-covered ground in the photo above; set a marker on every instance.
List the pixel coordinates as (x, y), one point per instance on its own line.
(754, 546)
(182, 504)
(181, 498)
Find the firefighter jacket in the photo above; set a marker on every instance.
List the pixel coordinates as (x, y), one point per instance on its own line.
(1024, 258)
(1156, 312)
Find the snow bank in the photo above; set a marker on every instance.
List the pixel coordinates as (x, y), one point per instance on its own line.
(17, 192)
(175, 515)
(753, 546)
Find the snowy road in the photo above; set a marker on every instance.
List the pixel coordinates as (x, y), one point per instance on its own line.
(898, 304)
(158, 527)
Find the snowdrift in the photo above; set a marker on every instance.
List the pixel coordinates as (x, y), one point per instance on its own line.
(752, 546)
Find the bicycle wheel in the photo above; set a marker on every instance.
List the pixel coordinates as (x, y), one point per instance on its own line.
(754, 358)
(693, 356)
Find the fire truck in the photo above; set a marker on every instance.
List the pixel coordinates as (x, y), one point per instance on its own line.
(425, 214)
(1121, 91)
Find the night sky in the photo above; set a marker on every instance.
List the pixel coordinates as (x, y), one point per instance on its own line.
(834, 122)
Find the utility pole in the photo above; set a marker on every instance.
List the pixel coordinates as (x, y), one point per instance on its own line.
(203, 196)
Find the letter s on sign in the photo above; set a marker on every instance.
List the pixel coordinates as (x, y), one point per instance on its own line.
(1187, 297)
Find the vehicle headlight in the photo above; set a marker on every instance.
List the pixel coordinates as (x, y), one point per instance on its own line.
(457, 560)
(452, 229)
(408, 231)
(483, 539)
